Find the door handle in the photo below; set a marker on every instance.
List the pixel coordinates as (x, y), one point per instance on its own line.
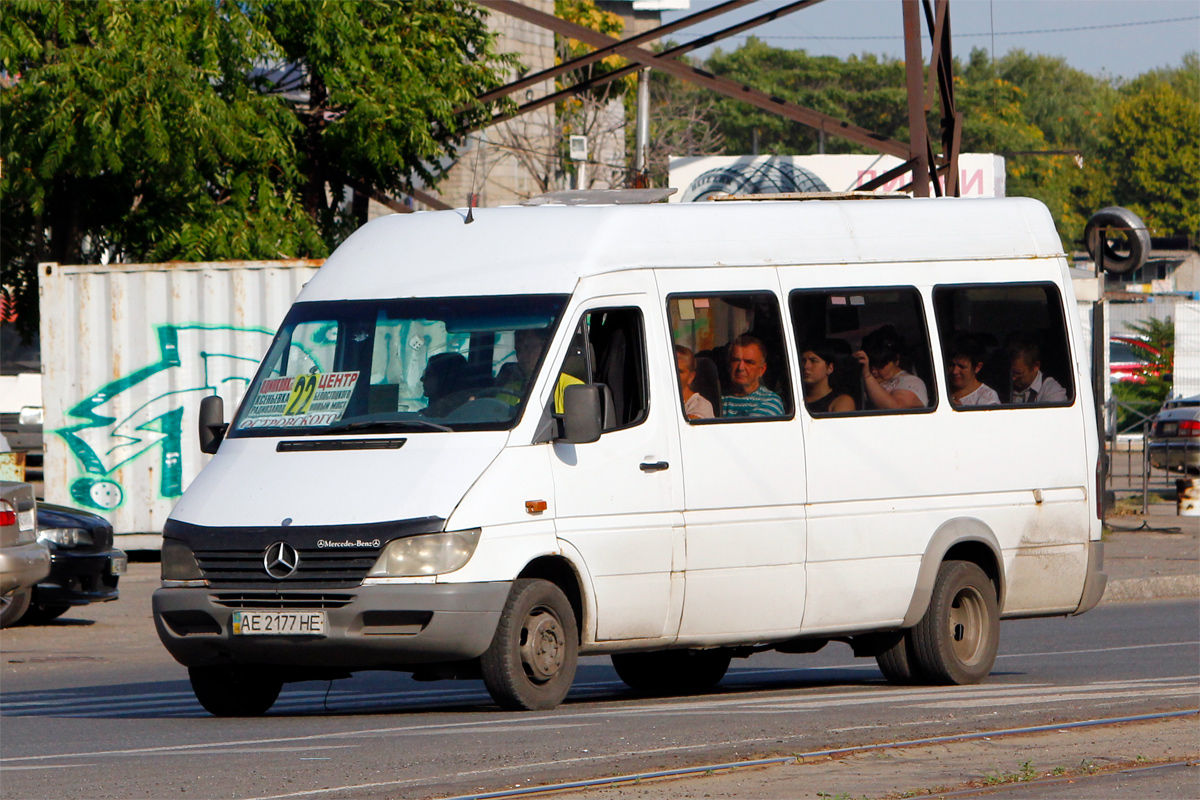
(654, 466)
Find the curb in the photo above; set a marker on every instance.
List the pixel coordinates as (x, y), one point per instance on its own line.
(1164, 586)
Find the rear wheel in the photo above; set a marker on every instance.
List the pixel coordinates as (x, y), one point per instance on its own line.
(957, 639)
(897, 663)
(670, 672)
(530, 663)
(13, 606)
(234, 691)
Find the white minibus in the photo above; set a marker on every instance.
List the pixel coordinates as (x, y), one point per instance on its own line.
(674, 434)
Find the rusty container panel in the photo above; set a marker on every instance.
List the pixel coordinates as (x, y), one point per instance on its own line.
(128, 351)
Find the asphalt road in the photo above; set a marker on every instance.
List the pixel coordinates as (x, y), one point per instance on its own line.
(93, 707)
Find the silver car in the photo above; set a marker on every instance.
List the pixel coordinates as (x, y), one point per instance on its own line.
(23, 559)
(1175, 441)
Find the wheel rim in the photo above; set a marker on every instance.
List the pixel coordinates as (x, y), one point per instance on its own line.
(968, 624)
(543, 644)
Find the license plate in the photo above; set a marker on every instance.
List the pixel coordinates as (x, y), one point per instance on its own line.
(1169, 429)
(280, 623)
(117, 565)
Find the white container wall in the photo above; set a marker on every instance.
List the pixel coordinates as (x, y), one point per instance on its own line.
(128, 351)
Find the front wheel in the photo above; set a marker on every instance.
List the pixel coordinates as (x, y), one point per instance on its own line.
(234, 691)
(672, 672)
(39, 614)
(957, 639)
(530, 663)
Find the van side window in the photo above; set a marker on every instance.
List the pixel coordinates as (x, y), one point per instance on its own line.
(609, 349)
(863, 350)
(1004, 346)
(730, 356)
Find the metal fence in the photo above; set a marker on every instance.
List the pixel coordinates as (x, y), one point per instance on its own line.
(1131, 472)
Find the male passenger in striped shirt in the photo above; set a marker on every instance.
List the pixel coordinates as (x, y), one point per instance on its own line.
(747, 364)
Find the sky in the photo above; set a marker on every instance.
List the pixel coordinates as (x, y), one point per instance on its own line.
(1119, 39)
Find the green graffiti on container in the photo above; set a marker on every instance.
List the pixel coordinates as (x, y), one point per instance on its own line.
(185, 373)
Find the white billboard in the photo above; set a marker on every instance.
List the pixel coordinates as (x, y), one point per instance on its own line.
(980, 174)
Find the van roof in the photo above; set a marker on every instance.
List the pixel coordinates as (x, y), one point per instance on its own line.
(548, 249)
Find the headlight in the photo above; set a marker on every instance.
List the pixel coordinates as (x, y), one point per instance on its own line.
(429, 554)
(179, 562)
(31, 415)
(64, 537)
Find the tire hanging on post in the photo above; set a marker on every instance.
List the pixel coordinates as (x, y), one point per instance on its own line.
(1098, 235)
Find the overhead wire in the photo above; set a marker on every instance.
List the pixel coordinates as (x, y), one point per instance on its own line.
(993, 34)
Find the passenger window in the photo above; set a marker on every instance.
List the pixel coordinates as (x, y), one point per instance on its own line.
(609, 349)
(1004, 346)
(730, 356)
(863, 350)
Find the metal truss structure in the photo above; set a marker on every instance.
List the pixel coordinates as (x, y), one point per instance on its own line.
(927, 167)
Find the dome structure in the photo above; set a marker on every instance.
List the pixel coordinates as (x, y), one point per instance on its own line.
(753, 177)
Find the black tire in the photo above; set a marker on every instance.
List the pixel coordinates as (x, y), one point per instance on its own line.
(672, 672)
(531, 661)
(1120, 222)
(40, 615)
(897, 663)
(14, 605)
(957, 639)
(234, 691)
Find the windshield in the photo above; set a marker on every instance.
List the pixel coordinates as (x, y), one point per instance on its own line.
(368, 366)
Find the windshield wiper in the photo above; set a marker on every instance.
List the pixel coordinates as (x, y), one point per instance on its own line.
(389, 425)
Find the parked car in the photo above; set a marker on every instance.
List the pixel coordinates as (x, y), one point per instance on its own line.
(1129, 358)
(84, 566)
(23, 559)
(1175, 440)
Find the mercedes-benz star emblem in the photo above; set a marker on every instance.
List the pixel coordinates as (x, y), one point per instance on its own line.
(281, 560)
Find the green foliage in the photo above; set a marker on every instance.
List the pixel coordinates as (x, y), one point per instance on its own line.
(207, 129)
(1139, 143)
(866, 90)
(1151, 154)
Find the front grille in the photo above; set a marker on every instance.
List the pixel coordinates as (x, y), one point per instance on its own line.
(281, 600)
(317, 569)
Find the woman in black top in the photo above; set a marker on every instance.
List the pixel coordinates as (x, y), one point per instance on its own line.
(816, 366)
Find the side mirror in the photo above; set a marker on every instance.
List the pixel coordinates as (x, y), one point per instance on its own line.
(581, 413)
(212, 423)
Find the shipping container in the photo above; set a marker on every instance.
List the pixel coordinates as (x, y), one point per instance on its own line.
(128, 351)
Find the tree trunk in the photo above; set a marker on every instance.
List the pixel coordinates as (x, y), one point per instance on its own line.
(315, 204)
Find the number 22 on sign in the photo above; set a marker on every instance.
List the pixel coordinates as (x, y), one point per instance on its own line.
(303, 390)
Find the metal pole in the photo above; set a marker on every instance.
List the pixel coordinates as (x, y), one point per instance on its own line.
(1145, 468)
(1100, 383)
(918, 147)
(641, 156)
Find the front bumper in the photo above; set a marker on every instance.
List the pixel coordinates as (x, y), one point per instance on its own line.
(23, 565)
(77, 579)
(369, 627)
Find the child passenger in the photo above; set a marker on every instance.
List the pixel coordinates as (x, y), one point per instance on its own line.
(695, 405)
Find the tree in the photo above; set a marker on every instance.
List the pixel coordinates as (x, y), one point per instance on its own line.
(683, 122)
(867, 91)
(540, 144)
(209, 129)
(1151, 152)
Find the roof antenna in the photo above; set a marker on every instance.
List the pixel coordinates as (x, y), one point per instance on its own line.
(474, 173)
